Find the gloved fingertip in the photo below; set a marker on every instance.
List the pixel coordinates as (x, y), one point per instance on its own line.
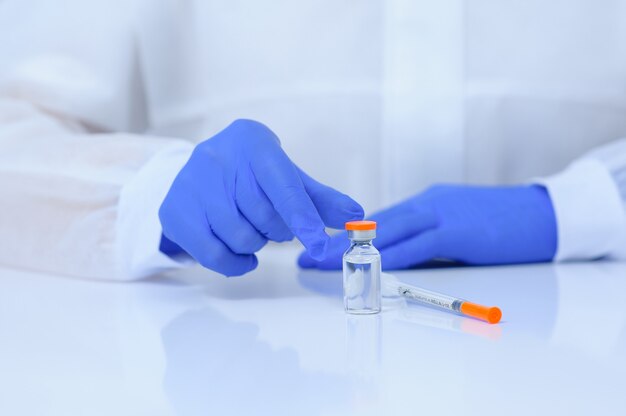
(253, 262)
(337, 215)
(351, 208)
(318, 249)
(282, 237)
(355, 214)
(305, 261)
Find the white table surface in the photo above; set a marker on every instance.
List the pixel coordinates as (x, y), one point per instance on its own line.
(278, 342)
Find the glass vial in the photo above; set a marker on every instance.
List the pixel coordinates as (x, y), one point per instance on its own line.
(361, 270)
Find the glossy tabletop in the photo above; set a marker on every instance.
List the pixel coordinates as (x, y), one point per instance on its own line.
(277, 342)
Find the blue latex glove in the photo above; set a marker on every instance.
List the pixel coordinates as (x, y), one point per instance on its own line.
(237, 191)
(468, 224)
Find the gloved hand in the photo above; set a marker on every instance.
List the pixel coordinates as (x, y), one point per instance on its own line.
(468, 224)
(237, 191)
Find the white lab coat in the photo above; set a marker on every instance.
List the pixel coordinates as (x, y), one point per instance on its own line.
(101, 101)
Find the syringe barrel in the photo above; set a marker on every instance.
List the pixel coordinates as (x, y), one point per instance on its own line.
(431, 298)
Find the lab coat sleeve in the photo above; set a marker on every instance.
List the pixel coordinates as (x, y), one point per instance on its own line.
(82, 204)
(589, 199)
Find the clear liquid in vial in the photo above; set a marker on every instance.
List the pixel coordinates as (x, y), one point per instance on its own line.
(361, 284)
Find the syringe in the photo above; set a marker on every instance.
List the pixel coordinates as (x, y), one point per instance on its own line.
(394, 287)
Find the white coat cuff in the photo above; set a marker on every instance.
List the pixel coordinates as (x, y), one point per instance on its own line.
(138, 226)
(588, 208)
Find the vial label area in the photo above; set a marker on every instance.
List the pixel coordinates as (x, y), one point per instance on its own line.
(361, 286)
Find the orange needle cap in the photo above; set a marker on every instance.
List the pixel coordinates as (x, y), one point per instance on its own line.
(491, 314)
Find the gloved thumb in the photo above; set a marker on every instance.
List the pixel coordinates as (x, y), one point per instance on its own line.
(334, 207)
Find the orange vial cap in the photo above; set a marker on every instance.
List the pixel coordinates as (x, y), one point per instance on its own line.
(360, 225)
